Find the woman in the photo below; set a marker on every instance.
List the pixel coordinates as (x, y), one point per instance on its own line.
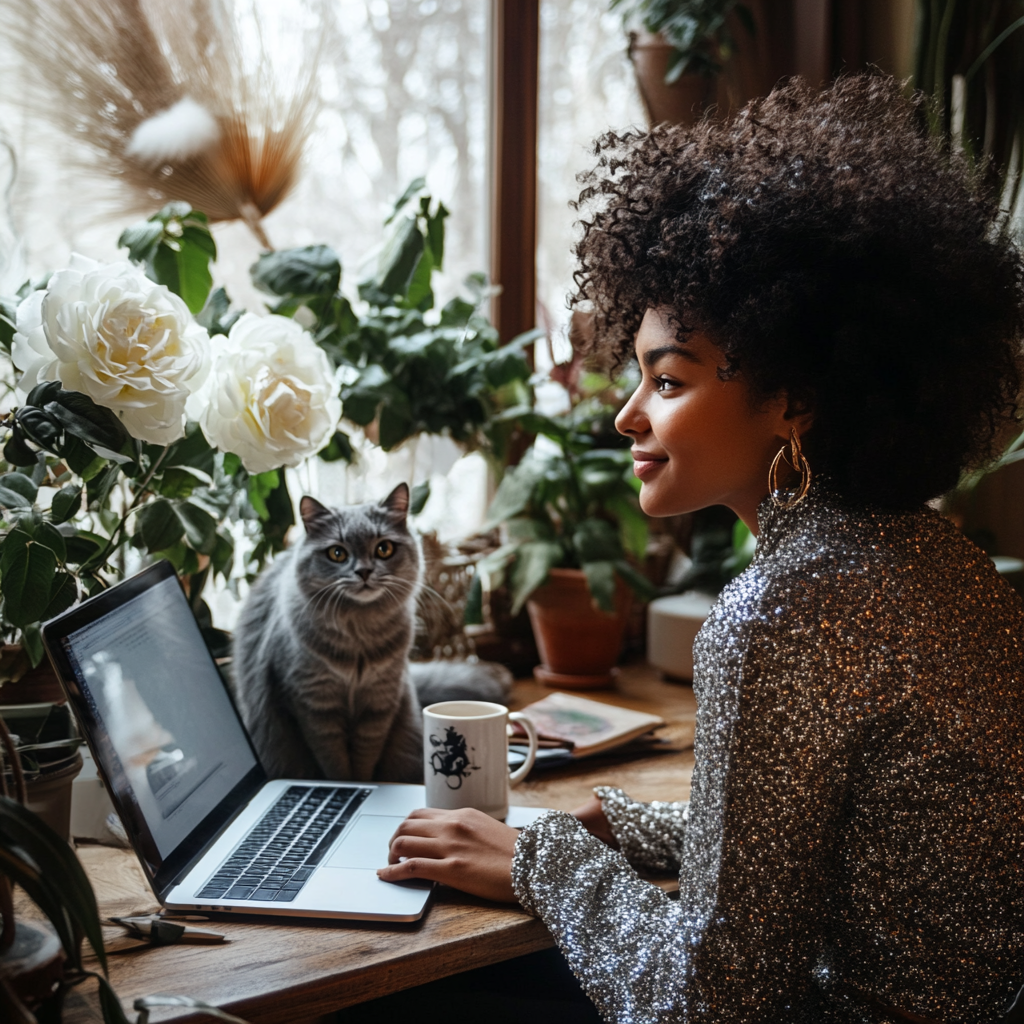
(828, 331)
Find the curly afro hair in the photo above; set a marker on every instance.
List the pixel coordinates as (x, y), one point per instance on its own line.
(836, 254)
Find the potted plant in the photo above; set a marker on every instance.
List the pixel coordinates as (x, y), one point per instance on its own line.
(572, 521)
(679, 52)
(39, 964)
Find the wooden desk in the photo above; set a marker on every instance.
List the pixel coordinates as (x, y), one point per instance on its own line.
(288, 973)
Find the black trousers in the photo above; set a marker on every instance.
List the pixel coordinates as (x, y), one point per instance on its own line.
(535, 989)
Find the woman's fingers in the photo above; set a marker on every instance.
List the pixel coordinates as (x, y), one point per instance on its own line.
(428, 869)
(465, 849)
(414, 846)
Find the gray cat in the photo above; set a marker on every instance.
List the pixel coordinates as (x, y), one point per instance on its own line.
(321, 671)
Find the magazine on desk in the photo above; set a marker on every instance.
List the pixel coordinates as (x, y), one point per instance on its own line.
(586, 727)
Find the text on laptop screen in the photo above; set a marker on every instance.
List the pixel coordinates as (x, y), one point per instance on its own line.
(174, 736)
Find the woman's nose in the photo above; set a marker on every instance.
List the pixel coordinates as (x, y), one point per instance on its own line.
(631, 420)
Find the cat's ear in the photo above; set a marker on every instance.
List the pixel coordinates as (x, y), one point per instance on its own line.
(397, 502)
(314, 515)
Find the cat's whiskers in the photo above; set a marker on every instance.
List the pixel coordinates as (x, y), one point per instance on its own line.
(428, 590)
(333, 591)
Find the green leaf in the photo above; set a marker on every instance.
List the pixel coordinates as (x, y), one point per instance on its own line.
(32, 640)
(601, 581)
(194, 277)
(16, 451)
(17, 491)
(44, 430)
(49, 535)
(533, 562)
(110, 1004)
(8, 321)
(159, 525)
(82, 547)
(642, 586)
(474, 611)
(399, 258)
(150, 1002)
(261, 486)
(435, 235)
(82, 417)
(395, 427)
(414, 186)
(307, 271)
(63, 594)
(176, 482)
(596, 540)
(223, 555)
(420, 496)
(67, 502)
(633, 525)
(98, 488)
(339, 448)
(216, 316)
(515, 491)
(200, 527)
(419, 294)
(141, 240)
(27, 578)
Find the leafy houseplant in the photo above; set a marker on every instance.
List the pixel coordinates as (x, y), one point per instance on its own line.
(408, 369)
(969, 57)
(82, 482)
(697, 31)
(572, 522)
(33, 856)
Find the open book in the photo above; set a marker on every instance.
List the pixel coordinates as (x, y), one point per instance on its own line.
(586, 726)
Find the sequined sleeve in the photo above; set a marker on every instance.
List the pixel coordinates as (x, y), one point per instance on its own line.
(773, 745)
(650, 835)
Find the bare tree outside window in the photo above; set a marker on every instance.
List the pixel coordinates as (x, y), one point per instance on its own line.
(586, 87)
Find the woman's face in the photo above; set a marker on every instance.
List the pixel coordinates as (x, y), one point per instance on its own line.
(698, 440)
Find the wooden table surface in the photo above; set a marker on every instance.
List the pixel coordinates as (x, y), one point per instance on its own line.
(271, 972)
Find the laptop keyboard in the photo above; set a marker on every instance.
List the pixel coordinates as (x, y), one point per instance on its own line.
(274, 861)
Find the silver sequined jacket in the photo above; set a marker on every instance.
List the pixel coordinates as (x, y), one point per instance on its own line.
(854, 840)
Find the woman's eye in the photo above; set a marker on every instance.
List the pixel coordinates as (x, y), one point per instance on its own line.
(663, 384)
(336, 553)
(385, 549)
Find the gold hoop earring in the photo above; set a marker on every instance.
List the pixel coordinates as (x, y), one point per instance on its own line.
(790, 497)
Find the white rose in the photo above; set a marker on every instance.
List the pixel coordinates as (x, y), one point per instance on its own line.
(271, 397)
(108, 331)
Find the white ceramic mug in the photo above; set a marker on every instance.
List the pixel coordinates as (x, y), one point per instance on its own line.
(465, 755)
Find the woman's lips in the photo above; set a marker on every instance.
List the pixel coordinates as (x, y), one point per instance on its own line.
(644, 463)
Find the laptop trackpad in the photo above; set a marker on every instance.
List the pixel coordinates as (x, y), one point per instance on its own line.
(366, 843)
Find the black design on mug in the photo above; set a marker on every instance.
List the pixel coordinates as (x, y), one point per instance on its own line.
(450, 758)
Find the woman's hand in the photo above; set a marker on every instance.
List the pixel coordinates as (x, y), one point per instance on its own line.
(466, 849)
(591, 817)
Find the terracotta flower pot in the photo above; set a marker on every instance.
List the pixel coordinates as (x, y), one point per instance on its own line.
(682, 102)
(579, 643)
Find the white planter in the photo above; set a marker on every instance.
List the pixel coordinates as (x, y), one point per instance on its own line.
(672, 625)
(90, 804)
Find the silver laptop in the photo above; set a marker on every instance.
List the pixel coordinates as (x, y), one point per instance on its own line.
(211, 832)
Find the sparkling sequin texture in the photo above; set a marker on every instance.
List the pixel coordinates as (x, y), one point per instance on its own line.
(854, 843)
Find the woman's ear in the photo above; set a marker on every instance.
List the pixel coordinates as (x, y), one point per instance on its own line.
(792, 414)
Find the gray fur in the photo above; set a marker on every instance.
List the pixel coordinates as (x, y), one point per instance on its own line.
(321, 672)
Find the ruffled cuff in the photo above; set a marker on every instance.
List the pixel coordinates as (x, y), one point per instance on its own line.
(649, 835)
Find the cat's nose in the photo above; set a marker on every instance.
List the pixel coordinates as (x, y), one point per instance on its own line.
(364, 574)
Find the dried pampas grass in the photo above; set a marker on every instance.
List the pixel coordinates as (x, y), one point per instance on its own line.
(164, 101)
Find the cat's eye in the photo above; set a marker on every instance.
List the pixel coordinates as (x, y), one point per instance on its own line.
(385, 549)
(336, 553)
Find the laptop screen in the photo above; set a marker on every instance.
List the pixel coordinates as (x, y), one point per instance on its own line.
(167, 734)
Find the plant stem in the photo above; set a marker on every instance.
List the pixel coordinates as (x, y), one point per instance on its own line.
(99, 560)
